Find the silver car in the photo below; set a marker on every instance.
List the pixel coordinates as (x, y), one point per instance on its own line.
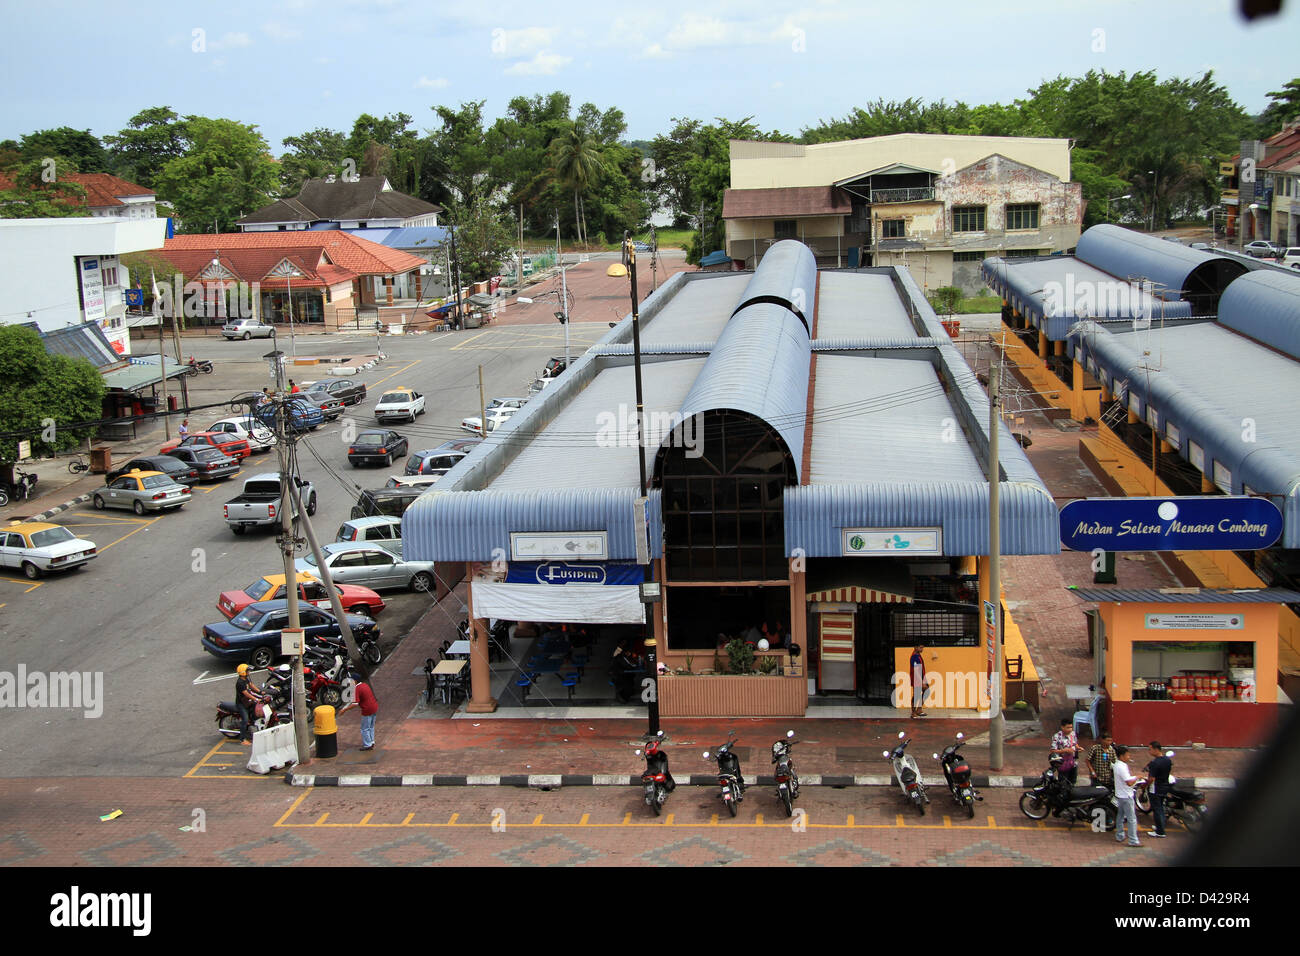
(370, 566)
(142, 491)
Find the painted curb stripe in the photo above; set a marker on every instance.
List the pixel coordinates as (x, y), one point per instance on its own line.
(482, 780)
(620, 780)
(545, 780)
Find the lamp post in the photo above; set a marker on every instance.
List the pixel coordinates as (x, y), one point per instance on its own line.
(293, 342)
(1112, 199)
(561, 317)
(1155, 192)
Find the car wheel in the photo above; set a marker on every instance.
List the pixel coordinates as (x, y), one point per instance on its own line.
(311, 505)
(4, 497)
(247, 336)
(422, 581)
(138, 507)
(261, 658)
(99, 503)
(388, 460)
(31, 570)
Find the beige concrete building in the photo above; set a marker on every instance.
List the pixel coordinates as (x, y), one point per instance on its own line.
(938, 205)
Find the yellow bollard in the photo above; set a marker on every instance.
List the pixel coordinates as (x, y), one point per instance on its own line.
(326, 729)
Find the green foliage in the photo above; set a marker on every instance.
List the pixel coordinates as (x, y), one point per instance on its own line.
(38, 192)
(945, 299)
(80, 146)
(151, 139)
(483, 238)
(768, 665)
(225, 174)
(37, 388)
(740, 657)
(314, 155)
(387, 147)
(1283, 108)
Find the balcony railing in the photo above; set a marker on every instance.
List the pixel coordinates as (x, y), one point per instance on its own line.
(915, 194)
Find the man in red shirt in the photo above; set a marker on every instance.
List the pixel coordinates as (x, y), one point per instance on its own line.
(365, 699)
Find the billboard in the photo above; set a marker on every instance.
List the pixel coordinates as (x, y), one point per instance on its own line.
(1206, 523)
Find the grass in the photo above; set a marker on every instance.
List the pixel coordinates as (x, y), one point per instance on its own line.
(979, 304)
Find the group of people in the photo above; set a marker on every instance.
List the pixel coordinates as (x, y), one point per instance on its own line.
(1108, 766)
(248, 695)
(775, 635)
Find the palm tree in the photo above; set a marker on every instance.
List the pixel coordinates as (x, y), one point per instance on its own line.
(575, 161)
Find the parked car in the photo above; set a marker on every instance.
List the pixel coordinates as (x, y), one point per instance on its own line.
(330, 406)
(349, 392)
(303, 415)
(208, 462)
(1291, 257)
(181, 472)
(142, 491)
(384, 501)
(539, 385)
(1203, 246)
(376, 447)
(247, 329)
(258, 505)
(227, 444)
(311, 590)
(1263, 249)
(440, 460)
(253, 635)
(37, 547)
(554, 367)
(495, 419)
(377, 529)
(411, 481)
(399, 405)
(259, 437)
(375, 567)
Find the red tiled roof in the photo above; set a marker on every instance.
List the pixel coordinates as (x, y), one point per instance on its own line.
(785, 202)
(102, 189)
(347, 252)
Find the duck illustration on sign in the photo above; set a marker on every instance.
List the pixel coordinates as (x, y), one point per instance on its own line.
(884, 541)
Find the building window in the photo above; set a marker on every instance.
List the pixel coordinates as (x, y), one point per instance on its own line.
(1022, 216)
(1020, 253)
(893, 228)
(968, 218)
(969, 256)
(784, 229)
(110, 275)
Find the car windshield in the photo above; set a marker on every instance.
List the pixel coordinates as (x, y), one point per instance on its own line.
(156, 481)
(246, 620)
(310, 559)
(394, 398)
(210, 454)
(43, 539)
(258, 589)
(370, 438)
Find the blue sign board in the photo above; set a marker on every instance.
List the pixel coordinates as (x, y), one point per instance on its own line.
(574, 572)
(135, 296)
(1208, 523)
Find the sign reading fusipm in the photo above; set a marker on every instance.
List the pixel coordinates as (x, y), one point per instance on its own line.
(1206, 523)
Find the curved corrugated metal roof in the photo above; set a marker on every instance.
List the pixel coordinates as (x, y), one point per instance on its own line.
(759, 366)
(856, 344)
(787, 275)
(1194, 275)
(1265, 306)
(815, 515)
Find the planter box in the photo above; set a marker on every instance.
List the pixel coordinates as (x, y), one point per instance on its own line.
(732, 696)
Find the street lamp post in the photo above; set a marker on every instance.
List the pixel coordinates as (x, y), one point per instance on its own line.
(1113, 198)
(1155, 194)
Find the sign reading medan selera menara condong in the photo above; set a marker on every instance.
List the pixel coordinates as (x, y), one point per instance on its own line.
(1209, 523)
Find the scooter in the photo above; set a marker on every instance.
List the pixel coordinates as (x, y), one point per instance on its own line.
(908, 775)
(195, 366)
(787, 781)
(730, 779)
(1056, 795)
(264, 715)
(658, 782)
(1183, 802)
(956, 771)
(19, 486)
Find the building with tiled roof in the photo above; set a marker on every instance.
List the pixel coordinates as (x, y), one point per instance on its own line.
(107, 195)
(363, 202)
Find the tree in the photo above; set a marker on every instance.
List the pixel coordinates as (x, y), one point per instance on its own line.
(80, 146)
(482, 238)
(42, 394)
(1284, 108)
(225, 174)
(315, 155)
(457, 161)
(387, 147)
(576, 162)
(38, 192)
(151, 139)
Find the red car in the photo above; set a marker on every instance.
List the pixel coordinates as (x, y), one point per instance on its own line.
(236, 448)
(270, 587)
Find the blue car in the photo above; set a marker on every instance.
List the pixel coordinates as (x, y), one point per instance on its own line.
(302, 415)
(253, 635)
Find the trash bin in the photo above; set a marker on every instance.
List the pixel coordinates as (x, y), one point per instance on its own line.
(101, 459)
(326, 730)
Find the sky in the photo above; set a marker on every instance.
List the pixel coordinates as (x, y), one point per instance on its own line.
(290, 66)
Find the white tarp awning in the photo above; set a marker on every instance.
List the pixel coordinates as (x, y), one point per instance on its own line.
(570, 603)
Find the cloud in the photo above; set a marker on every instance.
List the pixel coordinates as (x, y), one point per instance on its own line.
(655, 52)
(436, 84)
(230, 41)
(279, 31)
(517, 43)
(697, 30)
(542, 64)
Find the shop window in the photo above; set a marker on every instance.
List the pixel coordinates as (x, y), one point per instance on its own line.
(893, 229)
(785, 229)
(935, 628)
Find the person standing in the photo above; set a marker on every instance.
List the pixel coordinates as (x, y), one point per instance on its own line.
(365, 699)
(184, 430)
(916, 670)
(1101, 761)
(1158, 785)
(1066, 744)
(293, 388)
(1124, 780)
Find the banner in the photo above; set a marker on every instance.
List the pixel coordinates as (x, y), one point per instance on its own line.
(1210, 523)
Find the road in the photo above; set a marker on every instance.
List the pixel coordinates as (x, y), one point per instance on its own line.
(134, 615)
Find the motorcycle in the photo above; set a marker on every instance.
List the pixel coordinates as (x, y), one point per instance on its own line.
(730, 779)
(370, 651)
(787, 781)
(658, 782)
(15, 485)
(1056, 795)
(195, 366)
(1183, 802)
(264, 714)
(908, 775)
(326, 681)
(956, 771)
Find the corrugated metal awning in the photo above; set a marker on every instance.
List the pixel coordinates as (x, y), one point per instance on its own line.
(860, 581)
(1188, 595)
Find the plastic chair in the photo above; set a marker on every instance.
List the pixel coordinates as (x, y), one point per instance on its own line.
(1088, 717)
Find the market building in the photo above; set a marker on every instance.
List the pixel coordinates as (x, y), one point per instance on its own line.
(815, 455)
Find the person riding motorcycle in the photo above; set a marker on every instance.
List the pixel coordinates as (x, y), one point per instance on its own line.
(247, 695)
(656, 761)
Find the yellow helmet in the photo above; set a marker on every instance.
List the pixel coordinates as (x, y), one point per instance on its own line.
(242, 670)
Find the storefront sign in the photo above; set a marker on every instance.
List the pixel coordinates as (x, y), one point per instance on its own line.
(1218, 523)
(92, 290)
(1195, 622)
(541, 545)
(561, 573)
(891, 541)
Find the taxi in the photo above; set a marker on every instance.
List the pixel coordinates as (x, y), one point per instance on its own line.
(311, 590)
(37, 547)
(399, 405)
(142, 491)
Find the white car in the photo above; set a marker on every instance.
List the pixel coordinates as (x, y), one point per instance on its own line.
(259, 437)
(411, 481)
(399, 405)
(37, 548)
(1262, 249)
(247, 329)
(495, 419)
(1291, 258)
(539, 385)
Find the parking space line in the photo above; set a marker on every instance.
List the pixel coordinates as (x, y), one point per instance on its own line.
(125, 536)
(466, 343)
(398, 372)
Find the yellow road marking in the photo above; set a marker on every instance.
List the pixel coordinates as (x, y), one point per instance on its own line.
(581, 823)
(899, 821)
(31, 589)
(713, 820)
(408, 819)
(127, 535)
(993, 825)
(627, 819)
(947, 820)
(465, 344)
(850, 821)
(454, 818)
(204, 760)
(322, 818)
(758, 819)
(293, 807)
(668, 820)
(398, 372)
(27, 585)
(537, 820)
(365, 819)
(218, 765)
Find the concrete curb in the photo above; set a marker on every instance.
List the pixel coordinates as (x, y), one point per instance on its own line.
(543, 781)
(46, 515)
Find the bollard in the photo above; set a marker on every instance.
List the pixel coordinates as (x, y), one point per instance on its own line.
(326, 730)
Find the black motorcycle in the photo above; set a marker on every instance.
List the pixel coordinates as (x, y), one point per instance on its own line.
(730, 779)
(1055, 794)
(658, 782)
(787, 781)
(1183, 803)
(195, 366)
(15, 484)
(956, 770)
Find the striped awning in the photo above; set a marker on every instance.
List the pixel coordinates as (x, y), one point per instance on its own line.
(856, 595)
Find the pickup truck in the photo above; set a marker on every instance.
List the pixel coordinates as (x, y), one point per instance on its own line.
(259, 505)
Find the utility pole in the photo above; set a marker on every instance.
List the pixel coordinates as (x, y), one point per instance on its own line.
(323, 572)
(564, 291)
(519, 257)
(482, 403)
(162, 363)
(995, 582)
(287, 551)
(455, 265)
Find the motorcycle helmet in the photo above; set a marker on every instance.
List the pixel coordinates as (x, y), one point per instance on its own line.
(778, 748)
(242, 670)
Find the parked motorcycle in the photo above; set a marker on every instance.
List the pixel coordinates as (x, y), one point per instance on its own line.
(336, 645)
(907, 774)
(956, 771)
(326, 680)
(195, 366)
(787, 781)
(264, 714)
(1054, 794)
(730, 779)
(1183, 802)
(658, 782)
(15, 485)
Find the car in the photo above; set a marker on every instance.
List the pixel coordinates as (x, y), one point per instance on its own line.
(350, 393)
(1291, 257)
(38, 547)
(253, 635)
(178, 471)
(385, 501)
(375, 567)
(303, 415)
(378, 529)
(1203, 246)
(1262, 249)
(142, 491)
(554, 367)
(399, 405)
(411, 481)
(208, 462)
(259, 437)
(330, 406)
(494, 420)
(376, 446)
(440, 460)
(539, 385)
(311, 590)
(247, 329)
(227, 444)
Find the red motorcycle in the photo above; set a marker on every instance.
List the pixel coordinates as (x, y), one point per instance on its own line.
(195, 366)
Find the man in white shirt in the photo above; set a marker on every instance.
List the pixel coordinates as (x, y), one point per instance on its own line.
(1124, 780)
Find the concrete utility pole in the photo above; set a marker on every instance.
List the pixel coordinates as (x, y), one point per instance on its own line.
(323, 572)
(564, 292)
(290, 576)
(162, 370)
(995, 583)
(482, 403)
